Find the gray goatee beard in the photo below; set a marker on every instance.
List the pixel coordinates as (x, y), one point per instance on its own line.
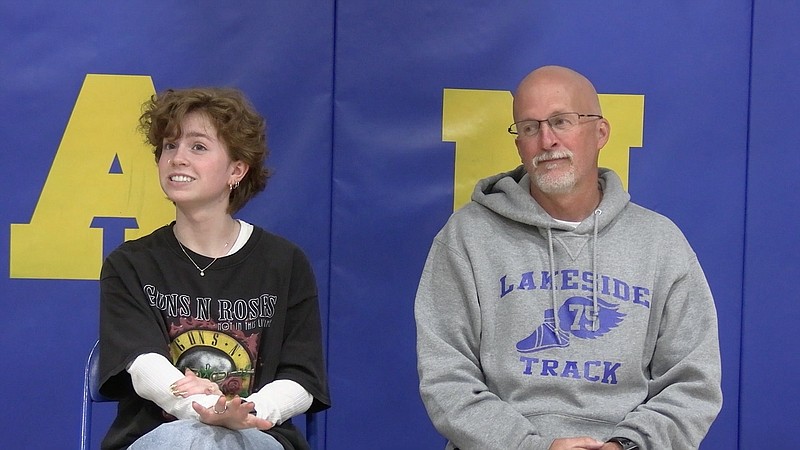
(554, 183)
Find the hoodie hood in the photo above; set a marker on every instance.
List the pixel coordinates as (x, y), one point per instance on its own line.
(508, 194)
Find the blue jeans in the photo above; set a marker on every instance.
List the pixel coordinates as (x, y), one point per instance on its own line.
(191, 434)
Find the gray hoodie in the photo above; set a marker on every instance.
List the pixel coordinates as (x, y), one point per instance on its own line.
(529, 330)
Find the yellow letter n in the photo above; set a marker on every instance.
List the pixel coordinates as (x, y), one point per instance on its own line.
(477, 121)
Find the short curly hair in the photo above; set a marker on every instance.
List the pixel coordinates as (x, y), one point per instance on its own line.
(237, 122)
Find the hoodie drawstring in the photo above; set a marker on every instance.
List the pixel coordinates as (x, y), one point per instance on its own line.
(595, 311)
(557, 329)
(550, 254)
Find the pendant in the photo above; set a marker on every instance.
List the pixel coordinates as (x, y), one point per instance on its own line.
(202, 274)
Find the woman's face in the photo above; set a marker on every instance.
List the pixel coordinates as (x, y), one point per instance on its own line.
(195, 169)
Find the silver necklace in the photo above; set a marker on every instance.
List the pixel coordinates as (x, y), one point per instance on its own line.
(203, 270)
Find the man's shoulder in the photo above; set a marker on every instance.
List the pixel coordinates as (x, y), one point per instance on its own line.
(650, 217)
(470, 218)
(655, 226)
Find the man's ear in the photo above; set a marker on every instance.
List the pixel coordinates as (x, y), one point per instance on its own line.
(603, 133)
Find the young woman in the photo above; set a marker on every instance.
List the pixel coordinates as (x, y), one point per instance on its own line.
(209, 327)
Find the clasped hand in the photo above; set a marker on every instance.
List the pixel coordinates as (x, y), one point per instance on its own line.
(234, 414)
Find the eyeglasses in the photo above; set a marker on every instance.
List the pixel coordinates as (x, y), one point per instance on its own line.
(559, 123)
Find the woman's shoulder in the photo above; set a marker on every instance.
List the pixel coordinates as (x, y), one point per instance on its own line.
(158, 238)
(275, 247)
(273, 240)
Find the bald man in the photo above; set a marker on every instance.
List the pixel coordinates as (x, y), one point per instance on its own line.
(553, 313)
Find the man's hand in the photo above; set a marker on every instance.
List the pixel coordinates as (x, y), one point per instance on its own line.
(611, 446)
(580, 443)
(233, 414)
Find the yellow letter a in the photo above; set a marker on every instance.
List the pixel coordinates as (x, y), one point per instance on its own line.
(102, 169)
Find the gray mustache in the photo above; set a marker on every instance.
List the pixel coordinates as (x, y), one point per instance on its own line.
(558, 154)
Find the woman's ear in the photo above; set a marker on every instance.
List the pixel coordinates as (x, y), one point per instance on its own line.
(240, 169)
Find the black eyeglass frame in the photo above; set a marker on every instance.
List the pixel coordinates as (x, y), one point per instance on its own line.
(510, 131)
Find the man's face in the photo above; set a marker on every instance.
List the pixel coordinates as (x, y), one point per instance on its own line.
(558, 161)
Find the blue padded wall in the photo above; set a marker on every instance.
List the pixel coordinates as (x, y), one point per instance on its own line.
(353, 92)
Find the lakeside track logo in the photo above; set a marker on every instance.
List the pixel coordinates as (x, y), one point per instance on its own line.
(577, 319)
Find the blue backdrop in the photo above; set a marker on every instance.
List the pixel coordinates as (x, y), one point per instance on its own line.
(353, 93)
